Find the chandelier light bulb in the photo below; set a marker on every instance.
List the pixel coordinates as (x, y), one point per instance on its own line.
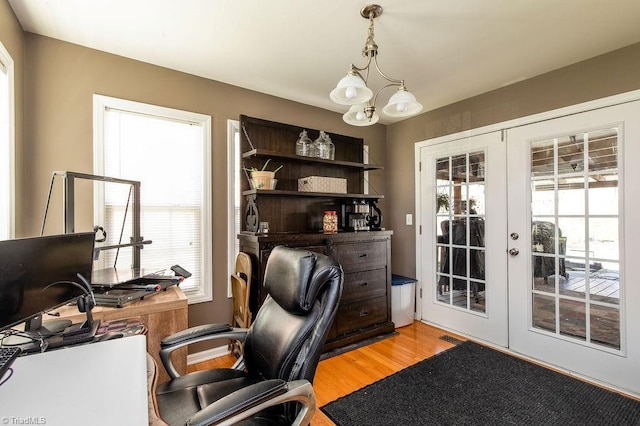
(350, 92)
(357, 116)
(401, 106)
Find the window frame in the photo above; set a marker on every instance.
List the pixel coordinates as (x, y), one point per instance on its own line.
(233, 167)
(8, 176)
(101, 103)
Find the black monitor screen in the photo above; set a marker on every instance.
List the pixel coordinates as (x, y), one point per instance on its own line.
(29, 265)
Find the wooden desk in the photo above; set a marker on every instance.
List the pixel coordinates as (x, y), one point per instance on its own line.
(100, 384)
(163, 314)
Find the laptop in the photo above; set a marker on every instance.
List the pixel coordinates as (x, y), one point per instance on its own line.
(117, 277)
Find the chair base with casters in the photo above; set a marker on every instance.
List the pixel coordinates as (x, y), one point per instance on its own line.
(271, 382)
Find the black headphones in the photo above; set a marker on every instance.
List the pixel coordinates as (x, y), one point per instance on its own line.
(88, 301)
(85, 302)
(103, 238)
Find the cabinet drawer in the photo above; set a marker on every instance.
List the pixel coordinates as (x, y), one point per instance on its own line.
(361, 256)
(359, 315)
(364, 285)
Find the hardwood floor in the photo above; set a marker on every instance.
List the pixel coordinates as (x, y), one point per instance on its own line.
(350, 371)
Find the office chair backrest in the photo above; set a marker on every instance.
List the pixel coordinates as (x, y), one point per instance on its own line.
(286, 338)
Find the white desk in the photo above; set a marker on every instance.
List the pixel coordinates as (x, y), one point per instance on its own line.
(101, 383)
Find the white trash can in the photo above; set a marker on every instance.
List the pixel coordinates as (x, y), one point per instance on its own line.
(403, 293)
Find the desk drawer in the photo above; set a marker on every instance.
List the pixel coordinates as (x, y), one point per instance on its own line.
(362, 256)
(364, 285)
(359, 315)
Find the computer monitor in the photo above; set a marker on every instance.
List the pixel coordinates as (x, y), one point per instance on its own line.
(35, 275)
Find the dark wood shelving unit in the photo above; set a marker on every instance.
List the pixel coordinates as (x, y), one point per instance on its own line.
(295, 220)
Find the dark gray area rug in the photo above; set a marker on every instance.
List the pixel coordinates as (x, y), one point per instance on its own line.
(471, 384)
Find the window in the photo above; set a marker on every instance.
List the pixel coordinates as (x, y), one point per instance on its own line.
(7, 143)
(234, 174)
(168, 151)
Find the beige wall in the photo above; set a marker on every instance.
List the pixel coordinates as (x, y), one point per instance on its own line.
(61, 80)
(12, 38)
(609, 74)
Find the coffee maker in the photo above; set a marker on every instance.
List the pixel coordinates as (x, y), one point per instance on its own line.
(356, 215)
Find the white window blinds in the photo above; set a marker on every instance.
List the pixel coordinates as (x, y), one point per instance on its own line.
(166, 155)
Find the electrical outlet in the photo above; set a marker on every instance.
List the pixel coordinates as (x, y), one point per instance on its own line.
(409, 219)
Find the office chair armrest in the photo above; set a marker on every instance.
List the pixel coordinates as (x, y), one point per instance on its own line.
(249, 401)
(193, 335)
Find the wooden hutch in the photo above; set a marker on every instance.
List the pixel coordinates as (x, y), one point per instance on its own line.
(295, 220)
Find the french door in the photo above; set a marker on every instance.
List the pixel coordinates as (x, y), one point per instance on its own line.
(529, 239)
(463, 245)
(573, 291)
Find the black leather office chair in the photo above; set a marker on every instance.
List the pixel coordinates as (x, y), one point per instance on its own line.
(272, 382)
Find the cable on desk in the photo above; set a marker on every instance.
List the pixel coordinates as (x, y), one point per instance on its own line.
(33, 336)
(7, 376)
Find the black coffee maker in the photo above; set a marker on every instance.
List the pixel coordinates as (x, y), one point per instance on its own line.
(360, 215)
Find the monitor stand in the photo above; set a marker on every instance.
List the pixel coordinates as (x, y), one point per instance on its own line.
(75, 333)
(54, 327)
(60, 333)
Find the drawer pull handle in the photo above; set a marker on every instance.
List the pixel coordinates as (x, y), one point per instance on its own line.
(364, 284)
(364, 313)
(362, 255)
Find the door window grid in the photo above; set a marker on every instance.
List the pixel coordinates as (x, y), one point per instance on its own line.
(460, 214)
(575, 237)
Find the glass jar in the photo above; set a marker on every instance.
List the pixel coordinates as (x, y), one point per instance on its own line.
(321, 146)
(263, 228)
(304, 145)
(332, 147)
(330, 222)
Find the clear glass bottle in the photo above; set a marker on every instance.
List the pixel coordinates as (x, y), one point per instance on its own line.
(304, 145)
(332, 147)
(321, 146)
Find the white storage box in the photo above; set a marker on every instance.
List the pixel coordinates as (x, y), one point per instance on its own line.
(403, 293)
(322, 184)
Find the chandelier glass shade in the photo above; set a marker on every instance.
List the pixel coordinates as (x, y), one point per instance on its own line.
(353, 90)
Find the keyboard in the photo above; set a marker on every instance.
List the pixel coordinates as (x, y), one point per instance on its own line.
(7, 356)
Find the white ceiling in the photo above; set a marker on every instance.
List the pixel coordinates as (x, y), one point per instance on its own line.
(445, 50)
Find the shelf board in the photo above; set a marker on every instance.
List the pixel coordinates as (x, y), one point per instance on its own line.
(276, 154)
(277, 192)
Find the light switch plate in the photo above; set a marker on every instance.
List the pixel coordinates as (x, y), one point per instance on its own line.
(409, 219)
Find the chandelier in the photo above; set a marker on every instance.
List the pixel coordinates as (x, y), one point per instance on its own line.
(353, 90)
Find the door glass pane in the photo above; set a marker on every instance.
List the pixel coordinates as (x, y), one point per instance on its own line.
(605, 325)
(573, 319)
(460, 216)
(571, 196)
(543, 197)
(603, 150)
(575, 245)
(603, 194)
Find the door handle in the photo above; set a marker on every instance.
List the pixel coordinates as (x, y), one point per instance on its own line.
(514, 251)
